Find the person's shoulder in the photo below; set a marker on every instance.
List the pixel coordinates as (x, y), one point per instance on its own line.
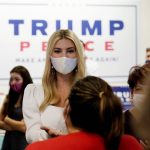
(33, 146)
(34, 87)
(34, 91)
(126, 138)
(47, 144)
(129, 142)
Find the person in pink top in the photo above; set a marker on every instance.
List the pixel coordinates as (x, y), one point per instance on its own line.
(94, 120)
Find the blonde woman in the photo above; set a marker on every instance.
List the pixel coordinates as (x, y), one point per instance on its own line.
(43, 105)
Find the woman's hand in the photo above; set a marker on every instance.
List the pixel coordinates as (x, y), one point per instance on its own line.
(7, 120)
(15, 125)
(5, 126)
(52, 132)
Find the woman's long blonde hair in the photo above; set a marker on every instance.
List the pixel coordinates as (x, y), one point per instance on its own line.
(49, 77)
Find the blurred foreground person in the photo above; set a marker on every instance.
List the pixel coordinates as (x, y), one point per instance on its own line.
(94, 120)
(144, 121)
(137, 83)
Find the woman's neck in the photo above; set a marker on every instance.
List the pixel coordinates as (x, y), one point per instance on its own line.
(64, 83)
(73, 130)
(70, 127)
(64, 79)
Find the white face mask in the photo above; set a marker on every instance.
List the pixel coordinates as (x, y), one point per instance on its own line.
(137, 100)
(64, 65)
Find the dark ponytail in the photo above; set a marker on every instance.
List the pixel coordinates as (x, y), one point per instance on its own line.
(94, 108)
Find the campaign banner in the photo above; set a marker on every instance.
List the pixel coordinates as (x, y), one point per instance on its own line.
(123, 92)
(108, 31)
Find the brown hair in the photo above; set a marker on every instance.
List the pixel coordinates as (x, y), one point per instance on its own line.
(94, 108)
(138, 74)
(148, 49)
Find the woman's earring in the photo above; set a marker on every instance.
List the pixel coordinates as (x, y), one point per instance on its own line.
(52, 67)
(76, 69)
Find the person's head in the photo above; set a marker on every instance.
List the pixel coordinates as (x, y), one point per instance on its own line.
(148, 55)
(94, 108)
(136, 78)
(136, 81)
(64, 56)
(61, 45)
(19, 79)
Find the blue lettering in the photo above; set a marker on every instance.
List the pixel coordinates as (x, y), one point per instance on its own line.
(70, 24)
(58, 25)
(16, 24)
(86, 26)
(40, 25)
(115, 25)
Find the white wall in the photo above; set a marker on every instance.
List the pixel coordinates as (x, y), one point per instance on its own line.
(143, 37)
(144, 29)
(143, 25)
(144, 15)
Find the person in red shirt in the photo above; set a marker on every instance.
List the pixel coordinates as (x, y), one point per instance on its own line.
(94, 120)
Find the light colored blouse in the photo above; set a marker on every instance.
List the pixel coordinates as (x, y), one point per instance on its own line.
(51, 117)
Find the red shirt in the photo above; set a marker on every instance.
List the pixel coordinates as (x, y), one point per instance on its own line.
(82, 141)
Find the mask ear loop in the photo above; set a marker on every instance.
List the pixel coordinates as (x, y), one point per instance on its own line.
(52, 67)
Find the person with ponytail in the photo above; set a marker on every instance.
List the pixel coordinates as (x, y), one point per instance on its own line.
(94, 120)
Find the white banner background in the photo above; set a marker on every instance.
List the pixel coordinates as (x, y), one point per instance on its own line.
(113, 64)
